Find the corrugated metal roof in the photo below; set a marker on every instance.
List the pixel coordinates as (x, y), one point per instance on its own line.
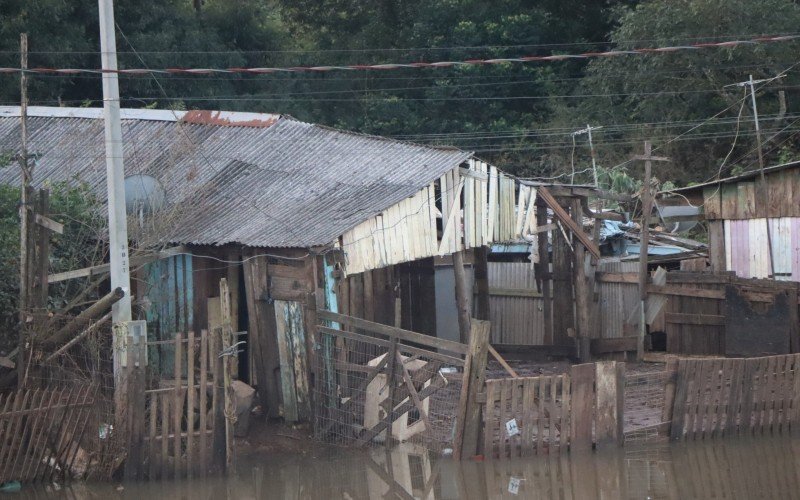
(736, 178)
(258, 180)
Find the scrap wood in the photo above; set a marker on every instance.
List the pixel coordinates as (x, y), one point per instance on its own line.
(565, 219)
(412, 391)
(502, 362)
(83, 319)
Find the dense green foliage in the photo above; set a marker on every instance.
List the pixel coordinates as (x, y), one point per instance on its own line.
(517, 115)
(79, 211)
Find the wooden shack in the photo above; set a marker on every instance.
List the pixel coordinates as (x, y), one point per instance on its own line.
(753, 231)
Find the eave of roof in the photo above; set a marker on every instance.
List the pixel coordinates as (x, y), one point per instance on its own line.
(736, 178)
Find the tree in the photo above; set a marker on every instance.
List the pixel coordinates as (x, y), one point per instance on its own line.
(690, 86)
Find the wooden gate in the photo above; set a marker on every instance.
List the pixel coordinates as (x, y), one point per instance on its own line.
(185, 416)
(375, 380)
(41, 432)
(550, 414)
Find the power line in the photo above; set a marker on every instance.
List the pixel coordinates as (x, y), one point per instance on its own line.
(412, 65)
(405, 49)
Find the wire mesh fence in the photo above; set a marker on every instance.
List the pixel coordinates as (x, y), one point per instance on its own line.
(373, 388)
(644, 406)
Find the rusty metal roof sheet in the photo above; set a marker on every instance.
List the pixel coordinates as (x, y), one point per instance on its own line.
(255, 179)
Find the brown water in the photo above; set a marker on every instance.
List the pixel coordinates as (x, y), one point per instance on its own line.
(762, 468)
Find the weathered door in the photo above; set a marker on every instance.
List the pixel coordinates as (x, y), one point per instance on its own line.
(291, 338)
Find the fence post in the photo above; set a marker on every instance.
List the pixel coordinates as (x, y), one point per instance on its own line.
(228, 355)
(582, 378)
(468, 420)
(134, 366)
(610, 401)
(669, 392)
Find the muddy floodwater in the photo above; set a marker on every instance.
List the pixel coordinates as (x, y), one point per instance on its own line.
(755, 468)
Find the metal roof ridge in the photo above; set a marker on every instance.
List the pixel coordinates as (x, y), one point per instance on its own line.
(203, 117)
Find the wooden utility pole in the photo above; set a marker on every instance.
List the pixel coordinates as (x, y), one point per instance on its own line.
(644, 235)
(582, 292)
(24, 226)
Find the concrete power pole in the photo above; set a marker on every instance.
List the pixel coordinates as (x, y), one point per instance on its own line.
(24, 215)
(115, 174)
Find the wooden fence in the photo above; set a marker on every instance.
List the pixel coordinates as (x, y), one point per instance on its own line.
(729, 397)
(549, 414)
(41, 432)
(185, 427)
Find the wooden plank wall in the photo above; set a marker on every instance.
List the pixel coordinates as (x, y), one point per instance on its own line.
(516, 307)
(736, 397)
(694, 315)
(738, 201)
(462, 209)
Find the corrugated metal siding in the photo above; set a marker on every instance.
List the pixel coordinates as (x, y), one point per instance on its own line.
(616, 300)
(291, 184)
(515, 320)
(747, 252)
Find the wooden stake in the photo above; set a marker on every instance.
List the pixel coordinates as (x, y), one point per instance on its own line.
(462, 298)
(227, 372)
(468, 418)
(644, 236)
(24, 265)
(582, 291)
(482, 310)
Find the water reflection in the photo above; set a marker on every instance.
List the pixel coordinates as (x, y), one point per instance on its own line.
(759, 468)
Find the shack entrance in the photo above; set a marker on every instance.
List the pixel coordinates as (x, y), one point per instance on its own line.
(384, 384)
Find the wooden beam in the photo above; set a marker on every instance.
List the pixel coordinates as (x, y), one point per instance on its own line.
(103, 268)
(512, 292)
(462, 297)
(496, 355)
(465, 172)
(392, 332)
(695, 319)
(49, 224)
(565, 219)
(482, 290)
(468, 419)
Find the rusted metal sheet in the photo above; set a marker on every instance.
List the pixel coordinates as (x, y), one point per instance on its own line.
(289, 184)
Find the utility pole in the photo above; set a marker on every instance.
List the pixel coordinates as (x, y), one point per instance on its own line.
(644, 236)
(763, 180)
(125, 373)
(115, 173)
(588, 131)
(24, 226)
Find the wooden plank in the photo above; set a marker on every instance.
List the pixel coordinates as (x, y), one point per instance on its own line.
(166, 398)
(289, 395)
(450, 231)
(610, 380)
(565, 219)
(731, 418)
(490, 422)
(412, 391)
(746, 202)
(551, 414)
(177, 404)
(474, 377)
(566, 410)
(539, 388)
(503, 441)
(695, 319)
(203, 402)
(582, 378)
(616, 277)
(393, 332)
(679, 406)
(190, 404)
(153, 459)
(542, 242)
(502, 362)
(527, 420)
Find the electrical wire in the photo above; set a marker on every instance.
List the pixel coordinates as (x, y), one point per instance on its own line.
(408, 65)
